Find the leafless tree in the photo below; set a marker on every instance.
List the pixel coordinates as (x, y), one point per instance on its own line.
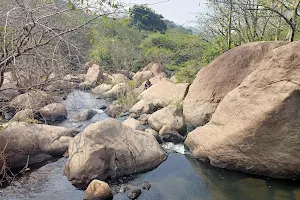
(35, 38)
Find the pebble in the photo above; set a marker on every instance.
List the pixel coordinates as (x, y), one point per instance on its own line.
(146, 185)
(134, 193)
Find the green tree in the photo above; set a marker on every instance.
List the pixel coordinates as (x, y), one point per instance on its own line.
(287, 10)
(146, 19)
(115, 44)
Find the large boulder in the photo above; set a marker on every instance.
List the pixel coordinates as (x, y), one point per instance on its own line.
(142, 107)
(134, 124)
(153, 81)
(165, 93)
(33, 100)
(220, 77)
(94, 74)
(154, 133)
(109, 149)
(256, 127)
(155, 68)
(84, 115)
(140, 77)
(100, 89)
(119, 78)
(55, 112)
(117, 91)
(170, 116)
(22, 142)
(61, 86)
(98, 190)
(114, 109)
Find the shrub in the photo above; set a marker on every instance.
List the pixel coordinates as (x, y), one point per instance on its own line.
(127, 101)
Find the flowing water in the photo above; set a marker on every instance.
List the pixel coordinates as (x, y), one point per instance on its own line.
(180, 177)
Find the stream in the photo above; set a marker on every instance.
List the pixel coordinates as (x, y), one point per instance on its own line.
(180, 177)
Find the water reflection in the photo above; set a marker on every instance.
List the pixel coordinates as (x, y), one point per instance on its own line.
(180, 177)
(224, 184)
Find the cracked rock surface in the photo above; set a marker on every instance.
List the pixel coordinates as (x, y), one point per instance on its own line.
(256, 127)
(110, 149)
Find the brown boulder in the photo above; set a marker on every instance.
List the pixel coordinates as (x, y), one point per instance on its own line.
(98, 190)
(100, 89)
(153, 133)
(94, 74)
(22, 141)
(134, 124)
(165, 93)
(55, 112)
(61, 85)
(155, 68)
(119, 78)
(142, 107)
(84, 115)
(110, 149)
(140, 77)
(113, 109)
(256, 127)
(33, 100)
(153, 81)
(220, 77)
(118, 90)
(170, 116)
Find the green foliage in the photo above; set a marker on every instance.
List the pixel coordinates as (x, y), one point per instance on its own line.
(127, 101)
(186, 75)
(146, 19)
(158, 40)
(158, 54)
(212, 49)
(132, 84)
(186, 72)
(173, 48)
(115, 45)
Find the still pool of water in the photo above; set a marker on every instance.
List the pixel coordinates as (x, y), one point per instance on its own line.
(180, 177)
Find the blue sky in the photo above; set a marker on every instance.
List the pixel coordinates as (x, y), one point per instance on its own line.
(182, 12)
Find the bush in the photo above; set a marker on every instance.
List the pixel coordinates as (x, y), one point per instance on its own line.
(127, 101)
(213, 49)
(186, 75)
(115, 45)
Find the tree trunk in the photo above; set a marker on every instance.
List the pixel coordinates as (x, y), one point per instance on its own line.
(1, 77)
(291, 34)
(229, 41)
(293, 24)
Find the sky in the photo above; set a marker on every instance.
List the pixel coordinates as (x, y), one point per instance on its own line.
(182, 12)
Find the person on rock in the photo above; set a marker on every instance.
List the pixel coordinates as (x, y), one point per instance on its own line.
(148, 84)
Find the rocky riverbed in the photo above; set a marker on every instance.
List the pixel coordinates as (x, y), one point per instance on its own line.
(179, 177)
(250, 125)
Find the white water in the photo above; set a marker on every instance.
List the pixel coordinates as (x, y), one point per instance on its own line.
(170, 147)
